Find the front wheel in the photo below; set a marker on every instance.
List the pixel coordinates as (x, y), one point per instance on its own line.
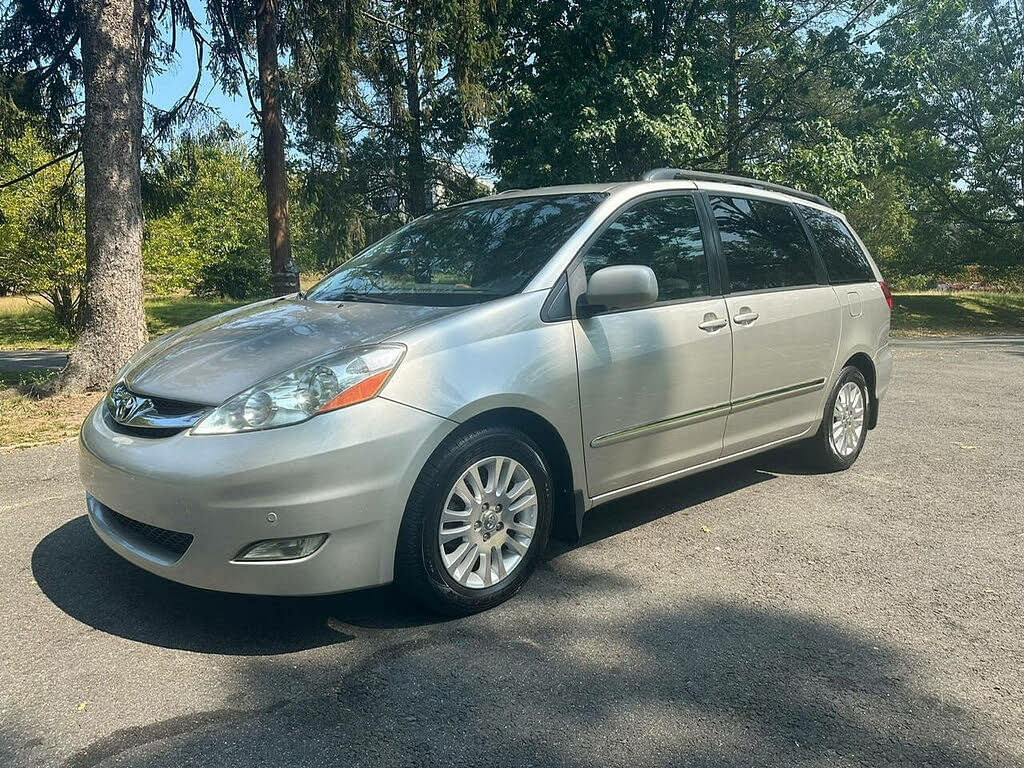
(844, 424)
(477, 520)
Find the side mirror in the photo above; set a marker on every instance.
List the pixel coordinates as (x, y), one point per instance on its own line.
(622, 287)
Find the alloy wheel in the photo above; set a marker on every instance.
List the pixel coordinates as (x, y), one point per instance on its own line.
(847, 420)
(488, 522)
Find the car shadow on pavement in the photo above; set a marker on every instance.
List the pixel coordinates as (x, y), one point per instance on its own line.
(86, 580)
(638, 509)
(83, 578)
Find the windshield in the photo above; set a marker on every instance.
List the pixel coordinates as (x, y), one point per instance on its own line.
(461, 255)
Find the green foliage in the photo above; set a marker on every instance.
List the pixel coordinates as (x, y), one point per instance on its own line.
(206, 226)
(951, 71)
(590, 95)
(629, 119)
(836, 166)
(610, 88)
(386, 106)
(42, 229)
(909, 116)
(235, 277)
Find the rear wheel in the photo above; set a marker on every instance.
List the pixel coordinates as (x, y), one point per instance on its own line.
(476, 522)
(844, 424)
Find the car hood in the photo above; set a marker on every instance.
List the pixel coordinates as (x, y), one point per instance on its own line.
(211, 360)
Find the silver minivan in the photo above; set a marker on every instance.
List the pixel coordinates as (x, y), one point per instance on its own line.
(431, 411)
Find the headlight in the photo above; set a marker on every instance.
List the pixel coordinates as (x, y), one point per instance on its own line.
(327, 384)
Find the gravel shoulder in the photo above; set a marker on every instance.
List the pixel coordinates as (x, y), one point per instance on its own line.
(755, 615)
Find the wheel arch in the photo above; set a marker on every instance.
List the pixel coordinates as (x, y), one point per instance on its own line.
(567, 498)
(863, 362)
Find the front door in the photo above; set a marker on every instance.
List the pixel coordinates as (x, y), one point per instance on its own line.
(654, 381)
(785, 324)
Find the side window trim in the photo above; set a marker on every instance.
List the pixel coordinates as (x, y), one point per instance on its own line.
(715, 286)
(713, 246)
(726, 285)
(819, 263)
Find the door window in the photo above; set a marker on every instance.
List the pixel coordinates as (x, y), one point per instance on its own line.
(662, 233)
(844, 260)
(763, 244)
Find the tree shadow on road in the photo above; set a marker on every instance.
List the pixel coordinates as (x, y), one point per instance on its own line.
(86, 580)
(715, 684)
(583, 668)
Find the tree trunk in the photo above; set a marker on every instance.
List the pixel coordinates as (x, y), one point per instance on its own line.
(416, 192)
(732, 118)
(283, 271)
(113, 51)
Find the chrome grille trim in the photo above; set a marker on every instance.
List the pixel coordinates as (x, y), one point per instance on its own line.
(130, 409)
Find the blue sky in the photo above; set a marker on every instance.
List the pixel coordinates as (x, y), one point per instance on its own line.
(165, 89)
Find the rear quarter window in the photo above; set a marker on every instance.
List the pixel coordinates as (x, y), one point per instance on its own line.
(844, 260)
(763, 244)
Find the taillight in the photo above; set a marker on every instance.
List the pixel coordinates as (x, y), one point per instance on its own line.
(886, 292)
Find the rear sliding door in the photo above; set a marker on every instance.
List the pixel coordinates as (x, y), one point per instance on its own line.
(786, 323)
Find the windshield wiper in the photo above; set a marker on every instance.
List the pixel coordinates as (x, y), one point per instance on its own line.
(370, 298)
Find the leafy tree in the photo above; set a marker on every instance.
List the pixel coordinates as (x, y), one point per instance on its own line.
(42, 229)
(610, 88)
(418, 94)
(113, 44)
(953, 73)
(593, 92)
(206, 225)
(50, 55)
(318, 36)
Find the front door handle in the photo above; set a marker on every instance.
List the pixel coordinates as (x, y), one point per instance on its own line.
(712, 323)
(745, 316)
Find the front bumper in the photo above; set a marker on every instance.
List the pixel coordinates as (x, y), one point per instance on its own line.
(347, 474)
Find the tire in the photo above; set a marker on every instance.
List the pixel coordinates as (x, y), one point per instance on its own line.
(421, 570)
(821, 451)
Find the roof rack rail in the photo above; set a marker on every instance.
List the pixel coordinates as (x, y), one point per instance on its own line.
(666, 174)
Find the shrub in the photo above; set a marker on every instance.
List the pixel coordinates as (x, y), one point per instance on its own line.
(238, 276)
(206, 228)
(913, 283)
(42, 229)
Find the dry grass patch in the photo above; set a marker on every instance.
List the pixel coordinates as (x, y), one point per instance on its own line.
(30, 415)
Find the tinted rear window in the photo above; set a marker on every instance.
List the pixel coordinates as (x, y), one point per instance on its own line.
(763, 244)
(844, 260)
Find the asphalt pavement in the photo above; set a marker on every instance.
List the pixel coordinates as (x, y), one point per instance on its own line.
(754, 616)
(17, 361)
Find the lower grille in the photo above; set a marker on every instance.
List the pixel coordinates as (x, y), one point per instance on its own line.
(173, 542)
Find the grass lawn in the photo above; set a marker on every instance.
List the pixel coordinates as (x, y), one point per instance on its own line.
(25, 324)
(957, 314)
(29, 415)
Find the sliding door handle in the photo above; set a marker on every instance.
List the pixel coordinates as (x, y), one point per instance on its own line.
(745, 316)
(712, 323)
